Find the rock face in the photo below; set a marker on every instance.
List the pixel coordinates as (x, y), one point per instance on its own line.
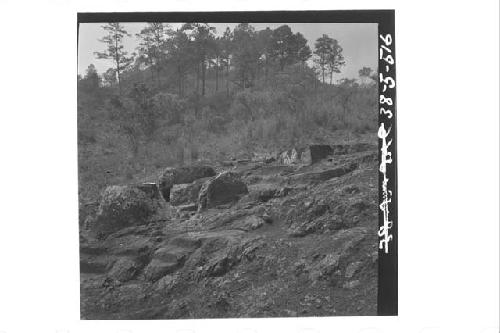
(291, 156)
(183, 194)
(151, 189)
(124, 269)
(183, 175)
(316, 152)
(227, 187)
(265, 157)
(319, 152)
(277, 240)
(166, 260)
(122, 206)
(221, 251)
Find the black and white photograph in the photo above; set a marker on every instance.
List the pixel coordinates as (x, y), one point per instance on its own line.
(229, 169)
(298, 166)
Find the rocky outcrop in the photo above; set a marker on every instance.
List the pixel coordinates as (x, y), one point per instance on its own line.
(324, 175)
(166, 260)
(316, 153)
(250, 222)
(226, 188)
(183, 194)
(121, 207)
(221, 251)
(265, 157)
(330, 265)
(291, 156)
(264, 192)
(271, 230)
(182, 175)
(125, 269)
(150, 189)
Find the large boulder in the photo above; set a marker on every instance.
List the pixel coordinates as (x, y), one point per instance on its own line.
(121, 207)
(316, 153)
(307, 155)
(182, 175)
(292, 156)
(182, 194)
(150, 189)
(227, 187)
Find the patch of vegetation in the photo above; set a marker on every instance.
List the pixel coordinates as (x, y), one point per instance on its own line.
(191, 94)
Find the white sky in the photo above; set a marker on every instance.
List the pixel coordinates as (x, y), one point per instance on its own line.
(359, 41)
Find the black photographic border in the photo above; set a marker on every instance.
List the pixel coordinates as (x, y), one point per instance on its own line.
(387, 294)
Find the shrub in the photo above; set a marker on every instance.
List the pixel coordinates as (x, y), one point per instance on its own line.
(170, 107)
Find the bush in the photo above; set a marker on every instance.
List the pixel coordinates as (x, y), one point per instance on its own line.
(169, 107)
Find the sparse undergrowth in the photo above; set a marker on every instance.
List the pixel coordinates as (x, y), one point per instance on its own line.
(123, 140)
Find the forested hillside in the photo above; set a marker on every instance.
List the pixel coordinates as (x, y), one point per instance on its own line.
(194, 94)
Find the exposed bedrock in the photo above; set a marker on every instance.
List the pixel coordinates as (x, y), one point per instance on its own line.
(182, 175)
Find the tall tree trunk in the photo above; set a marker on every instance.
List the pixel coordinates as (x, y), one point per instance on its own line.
(158, 70)
(203, 74)
(331, 77)
(118, 77)
(183, 84)
(323, 74)
(179, 81)
(222, 75)
(227, 77)
(216, 73)
(119, 84)
(117, 60)
(197, 78)
(266, 69)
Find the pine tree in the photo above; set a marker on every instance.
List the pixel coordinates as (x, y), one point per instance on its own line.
(287, 48)
(245, 53)
(203, 39)
(328, 56)
(115, 49)
(226, 44)
(323, 48)
(335, 60)
(152, 47)
(180, 54)
(264, 45)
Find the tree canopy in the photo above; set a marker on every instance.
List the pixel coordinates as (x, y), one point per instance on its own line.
(239, 56)
(115, 49)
